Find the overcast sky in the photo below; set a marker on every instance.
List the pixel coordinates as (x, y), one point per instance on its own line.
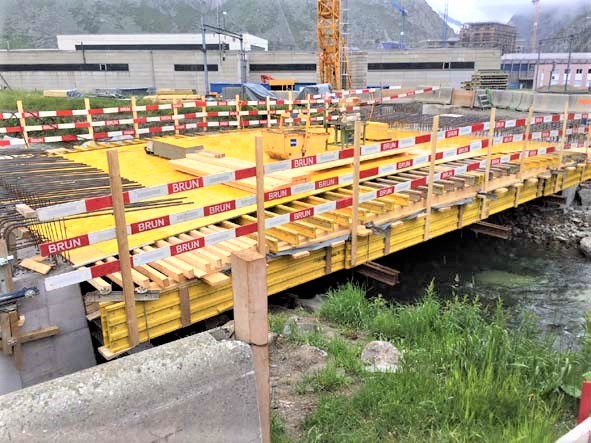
(481, 10)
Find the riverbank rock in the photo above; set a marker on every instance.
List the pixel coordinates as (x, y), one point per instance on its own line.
(309, 359)
(585, 246)
(300, 324)
(381, 356)
(585, 196)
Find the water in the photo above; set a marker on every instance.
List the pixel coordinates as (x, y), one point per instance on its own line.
(553, 284)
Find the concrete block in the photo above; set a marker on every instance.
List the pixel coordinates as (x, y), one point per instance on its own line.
(193, 389)
(68, 316)
(39, 362)
(9, 378)
(73, 351)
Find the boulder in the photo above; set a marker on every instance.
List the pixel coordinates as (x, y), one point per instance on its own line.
(585, 246)
(300, 324)
(381, 356)
(309, 359)
(585, 196)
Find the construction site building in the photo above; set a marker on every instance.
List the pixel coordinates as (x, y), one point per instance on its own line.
(489, 35)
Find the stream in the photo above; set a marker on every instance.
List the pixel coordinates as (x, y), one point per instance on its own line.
(554, 284)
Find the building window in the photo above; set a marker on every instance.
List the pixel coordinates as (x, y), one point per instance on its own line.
(580, 71)
(266, 67)
(66, 67)
(195, 68)
(413, 66)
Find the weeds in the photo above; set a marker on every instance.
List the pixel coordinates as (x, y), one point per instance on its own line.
(465, 375)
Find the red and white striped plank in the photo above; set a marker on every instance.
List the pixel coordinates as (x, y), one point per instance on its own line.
(71, 243)
(81, 275)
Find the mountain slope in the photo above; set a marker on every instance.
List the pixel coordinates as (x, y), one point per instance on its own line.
(287, 24)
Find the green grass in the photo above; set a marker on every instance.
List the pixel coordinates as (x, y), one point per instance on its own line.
(465, 375)
(34, 101)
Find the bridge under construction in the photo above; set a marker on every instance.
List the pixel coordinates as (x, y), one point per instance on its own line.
(339, 191)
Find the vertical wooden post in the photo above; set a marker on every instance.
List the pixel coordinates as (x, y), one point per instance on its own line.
(204, 112)
(434, 132)
(587, 159)
(89, 118)
(23, 122)
(268, 112)
(290, 105)
(563, 139)
(17, 350)
(249, 287)
(136, 125)
(355, 214)
(309, 105)
(525, 141)
(238, 111)
(175, 114)
(6, 270)
(491, 139)
(123, 246)
(260, 184)
(326, 99)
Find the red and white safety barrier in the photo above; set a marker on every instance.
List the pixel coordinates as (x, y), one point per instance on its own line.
(81, 275)
(71, 243)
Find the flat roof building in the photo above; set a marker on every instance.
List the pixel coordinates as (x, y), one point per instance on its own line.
(150, 42)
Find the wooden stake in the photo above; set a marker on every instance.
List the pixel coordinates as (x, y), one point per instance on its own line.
(123, 246)
(563, 139)
(525, 141)
(175, 114)
(260, 182)
(491, 139)
(204, 112)
(249, 287)
(136, 125)
(355, 214)
(290, 106)
(238, 111)
(6, 270)
(89, 118)
(268, 112)
(23, 122)
(434, 132)
(14, 327)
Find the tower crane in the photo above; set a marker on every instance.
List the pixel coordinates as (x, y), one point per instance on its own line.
(330, 42)
(403, 14)
(534, 34)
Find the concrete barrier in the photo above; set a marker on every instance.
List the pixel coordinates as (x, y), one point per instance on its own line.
(551, 103)
(442, 96)
(193, 389)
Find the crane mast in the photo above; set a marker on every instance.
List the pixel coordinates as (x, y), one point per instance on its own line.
(330, 42)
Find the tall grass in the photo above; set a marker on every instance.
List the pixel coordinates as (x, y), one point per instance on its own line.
(465, 376)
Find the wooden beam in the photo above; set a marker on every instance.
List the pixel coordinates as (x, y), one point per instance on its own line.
(525, 141)
(356, 178)
(434, 133)
(249, 287)
(16, 347)
(39, 334)
(6, 331)
(260, 193)
(123, 246)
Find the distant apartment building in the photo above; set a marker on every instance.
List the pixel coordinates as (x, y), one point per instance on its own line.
(490, 35)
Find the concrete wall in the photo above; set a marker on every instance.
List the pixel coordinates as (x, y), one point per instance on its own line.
(191, 390)
(522, 100)
(69, 351)
(156, 68)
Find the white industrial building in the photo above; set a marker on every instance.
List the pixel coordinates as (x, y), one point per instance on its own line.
(89, 62)
(117, 42)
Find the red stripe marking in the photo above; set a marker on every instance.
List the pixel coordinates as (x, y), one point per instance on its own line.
(64, 113)
(36, 139)
(185, 185)
(418, 182)
(66, 244)
(105, 268)
(246, 230)
(69, 138)
(81, 125)
(556, 118)
(152, 108)
(473, 166)
(425, 138)
(155, 130)
(346, 153)
(369, 173)
(219, 208)
(478, 127)
(404, 164)
(186, 246)
(245, 173)
(325, 183)
(447, 174)
(344, 202)
(521, 122)
(276, 195)
(96, 111)
(389, 146)
(385, 191)
(301, 214)
(452, 133)
(462, 150)
(148, 225)
(96, 203)
(516, 156)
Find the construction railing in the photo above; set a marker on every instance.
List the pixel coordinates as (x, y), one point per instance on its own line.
(25, 127)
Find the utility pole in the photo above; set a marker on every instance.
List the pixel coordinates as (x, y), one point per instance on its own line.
(204, 49)
(570, 51)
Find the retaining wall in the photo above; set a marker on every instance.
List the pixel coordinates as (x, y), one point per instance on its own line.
(522, 100)
(191, 390)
